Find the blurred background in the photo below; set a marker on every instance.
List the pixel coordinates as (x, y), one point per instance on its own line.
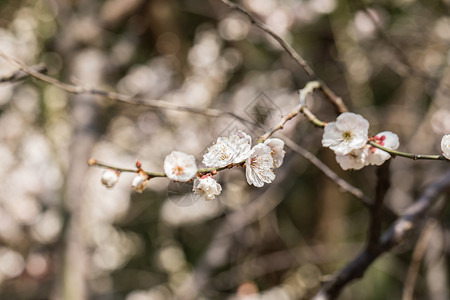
(65, 236)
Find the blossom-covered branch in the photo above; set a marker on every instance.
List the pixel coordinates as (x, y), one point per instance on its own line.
(227, 152)
(349, 139)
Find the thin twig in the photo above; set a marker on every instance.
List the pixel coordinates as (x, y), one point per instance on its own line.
(20, 74)
(417, 257)
(301, 107)
(408, 155)
(391, 238)
(77, 90)
(328, 172)
(95, 163)
(401, 55)
(337, 101)
(217, 251)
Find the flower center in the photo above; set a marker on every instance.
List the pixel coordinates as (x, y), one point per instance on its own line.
(378, 140)
(348, 135)
(177, 170)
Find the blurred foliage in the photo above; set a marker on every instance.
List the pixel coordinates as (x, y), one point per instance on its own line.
(388, 60)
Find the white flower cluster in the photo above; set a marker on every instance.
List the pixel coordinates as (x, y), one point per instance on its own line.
(228, 150)
(236, 149)
(259, 160)
(348, 137)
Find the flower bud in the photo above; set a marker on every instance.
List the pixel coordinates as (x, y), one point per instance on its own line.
(140, 182)
(110, 178)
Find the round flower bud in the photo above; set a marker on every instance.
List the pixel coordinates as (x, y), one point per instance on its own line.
(110, 178)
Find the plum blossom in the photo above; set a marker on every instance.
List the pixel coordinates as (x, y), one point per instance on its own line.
(207, 187)
(386, 139)
(369, 155)
(277, 153)
(357, 159)
(180, 166)
(259, 166)
(227, 150)
(110, 178)
(140, 182)
(445, 146)
(347, 133)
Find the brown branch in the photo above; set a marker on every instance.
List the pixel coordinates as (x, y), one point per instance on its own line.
(217, 251)
(328, 172)
(391, 238)
(337, 101)
(417, 257)
(152, 103)
(301, 107)
(383, 184)
(20, 74)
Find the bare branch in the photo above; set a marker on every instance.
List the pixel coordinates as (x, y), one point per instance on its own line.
(417, 257)
(391, 238)
(301, 107)
(383, 184)
(152, 103)
(337, 101)
(328, 172)
(20, 74)
(217, 251)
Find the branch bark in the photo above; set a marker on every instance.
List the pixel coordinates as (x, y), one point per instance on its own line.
(384, 182)
(337, 101)
(392, 237)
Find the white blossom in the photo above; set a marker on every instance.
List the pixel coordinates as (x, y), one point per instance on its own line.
(357, 159)
(110, 178)
(259, 166)
(349, 132)
(445, 146)
(140, 182)
(180, 166)
(207, 187)
(227, 150)
(277, 153)
(386, 139)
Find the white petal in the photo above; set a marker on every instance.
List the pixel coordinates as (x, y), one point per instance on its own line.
(377, 156)
(227, 150)
(207, 187)
(277, 153)
(259, 166)
(445, 146)
(354, 160)
(349, 132)
(180, 166)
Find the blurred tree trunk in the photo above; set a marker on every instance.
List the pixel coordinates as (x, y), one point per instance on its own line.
(87, 66)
